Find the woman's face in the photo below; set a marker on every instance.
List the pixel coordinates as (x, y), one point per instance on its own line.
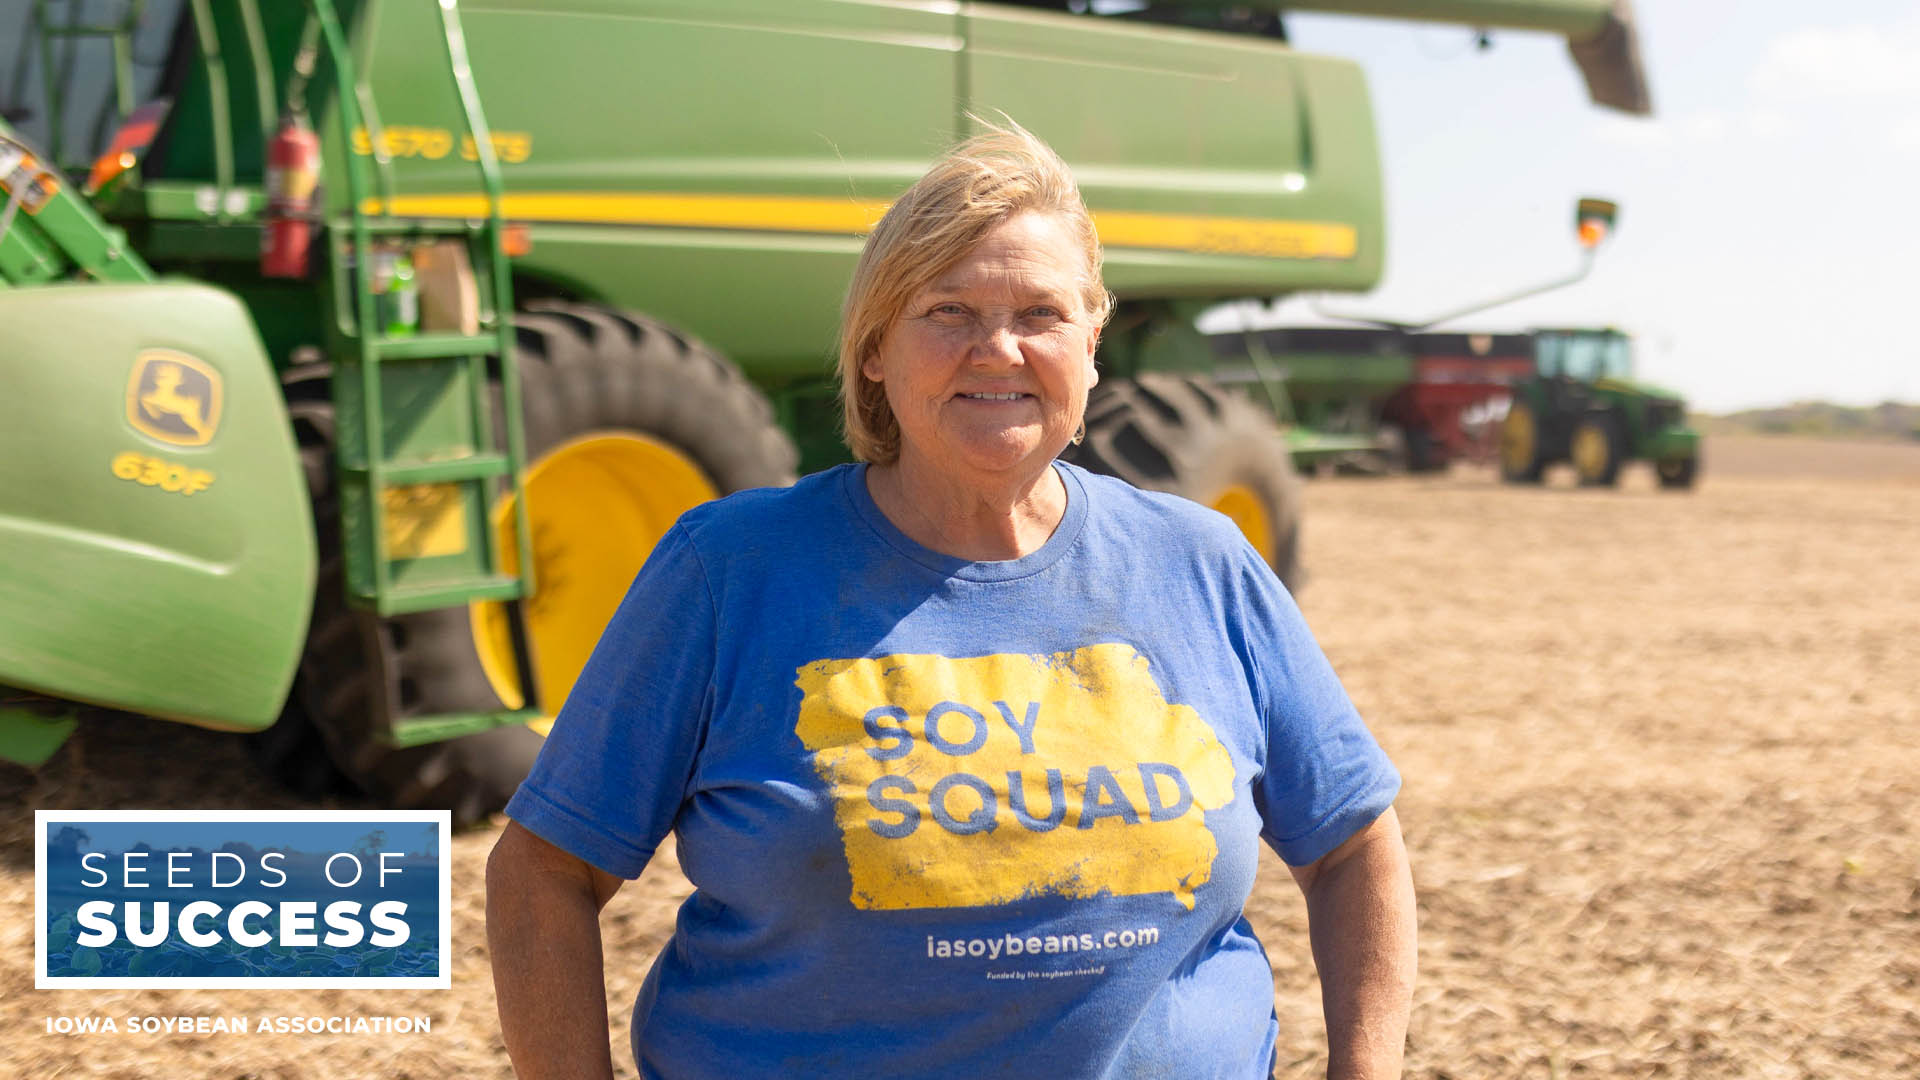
(987, 369)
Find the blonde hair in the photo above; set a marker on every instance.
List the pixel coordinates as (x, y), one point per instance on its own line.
(967, 193)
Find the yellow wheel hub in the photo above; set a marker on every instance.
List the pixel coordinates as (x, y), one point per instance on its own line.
(1517, 439)
(600, 503)
(1245, 507)
(1590, 451)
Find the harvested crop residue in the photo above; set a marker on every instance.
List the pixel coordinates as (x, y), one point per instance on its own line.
(1661, 776)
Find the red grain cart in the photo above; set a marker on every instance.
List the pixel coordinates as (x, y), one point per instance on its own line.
(1462, 385)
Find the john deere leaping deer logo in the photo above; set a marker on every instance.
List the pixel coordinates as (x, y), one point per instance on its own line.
(174, 398)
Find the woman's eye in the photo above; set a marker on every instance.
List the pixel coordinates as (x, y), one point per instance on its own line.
(1044, 311)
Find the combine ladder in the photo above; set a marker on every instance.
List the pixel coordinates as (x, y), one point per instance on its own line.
(420, 486)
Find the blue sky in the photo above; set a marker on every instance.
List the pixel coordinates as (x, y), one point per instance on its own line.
(1767, 241)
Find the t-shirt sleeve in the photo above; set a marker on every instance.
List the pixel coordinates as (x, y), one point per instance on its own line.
(1323, 777)
(620, 759)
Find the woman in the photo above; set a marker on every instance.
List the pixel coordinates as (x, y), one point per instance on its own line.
(968, 752)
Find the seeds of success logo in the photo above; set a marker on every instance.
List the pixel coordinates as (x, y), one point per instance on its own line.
(963, 782)
(231, 899)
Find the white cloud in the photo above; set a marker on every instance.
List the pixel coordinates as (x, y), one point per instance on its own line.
(1827, 62)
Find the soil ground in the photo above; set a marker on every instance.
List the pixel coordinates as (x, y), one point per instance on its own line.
(1660, 777)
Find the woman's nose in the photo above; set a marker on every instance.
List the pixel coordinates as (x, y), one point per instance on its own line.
(999, 342)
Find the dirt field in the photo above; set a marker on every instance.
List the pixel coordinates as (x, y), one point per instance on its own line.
(1661, 764)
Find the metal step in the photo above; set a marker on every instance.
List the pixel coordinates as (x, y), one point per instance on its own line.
(471, 467)
(436, 346)
(404, 599)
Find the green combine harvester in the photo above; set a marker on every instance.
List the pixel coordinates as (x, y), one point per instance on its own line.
(360, 350)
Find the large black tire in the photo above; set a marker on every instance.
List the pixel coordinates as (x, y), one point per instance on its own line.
(1424, 452)
(1392, 455)
(582, 369)
(1186, 435)
(1678, 473)
(293, 750)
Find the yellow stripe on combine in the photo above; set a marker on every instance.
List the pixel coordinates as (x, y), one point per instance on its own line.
(1228, 236)
(784, 213)
(1264, 237)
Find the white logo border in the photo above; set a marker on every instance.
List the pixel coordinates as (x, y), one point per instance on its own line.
(442, 981)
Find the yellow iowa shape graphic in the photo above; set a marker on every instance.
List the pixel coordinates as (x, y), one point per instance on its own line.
(962, 782)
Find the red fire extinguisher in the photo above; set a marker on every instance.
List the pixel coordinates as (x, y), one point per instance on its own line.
(293, 171)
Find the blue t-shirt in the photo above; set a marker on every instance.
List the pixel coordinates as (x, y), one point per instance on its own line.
(953, 819)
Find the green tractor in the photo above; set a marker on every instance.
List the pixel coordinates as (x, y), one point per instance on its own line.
(358, 352)
(1583, 405)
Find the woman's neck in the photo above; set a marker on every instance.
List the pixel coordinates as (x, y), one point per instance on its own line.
(988, 519)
